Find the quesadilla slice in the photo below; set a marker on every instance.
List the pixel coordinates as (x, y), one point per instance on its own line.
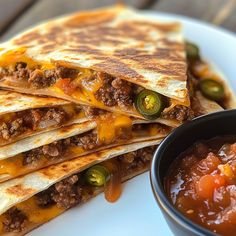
(208, 86)
(36, 198)
(113, 58)
(24, 115)
(68, 142)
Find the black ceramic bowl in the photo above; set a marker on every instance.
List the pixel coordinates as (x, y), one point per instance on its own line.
(204, 127)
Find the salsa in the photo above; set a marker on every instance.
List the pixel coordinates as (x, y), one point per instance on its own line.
(201, 184)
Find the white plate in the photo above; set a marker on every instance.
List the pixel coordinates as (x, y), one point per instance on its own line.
(136, 212)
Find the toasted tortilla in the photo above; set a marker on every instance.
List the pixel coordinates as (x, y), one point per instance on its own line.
(21, 189)
(13, 102)
(12, 155)
(130, 46)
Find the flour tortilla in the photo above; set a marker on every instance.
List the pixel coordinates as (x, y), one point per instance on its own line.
(13, 102)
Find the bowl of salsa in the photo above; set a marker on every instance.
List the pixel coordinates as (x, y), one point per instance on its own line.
(193, 176)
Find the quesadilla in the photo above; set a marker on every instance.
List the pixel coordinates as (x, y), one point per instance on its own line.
(36, 198)
(58, 145)
(113, 58)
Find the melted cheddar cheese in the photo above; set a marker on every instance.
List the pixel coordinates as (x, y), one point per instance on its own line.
(36, 214)
(110, 125)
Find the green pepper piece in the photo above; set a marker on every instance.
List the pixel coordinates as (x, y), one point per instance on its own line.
(212, 89)
(97, 175)
(192, 50)
(149, 104)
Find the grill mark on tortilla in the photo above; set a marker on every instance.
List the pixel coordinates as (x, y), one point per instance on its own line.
(177, 69)
(149, 62)
(140, 55)
(27, 38)
(64, 168)
(115, 66)
(48, 48)
(84, 49)
(19, 190)
(94, 37)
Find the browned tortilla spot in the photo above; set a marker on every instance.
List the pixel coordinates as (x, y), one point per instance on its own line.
(84, 49)
(48, 48)
(115, 66)
(49, 173)
(19, 190)
(93, 19)
(176, 69)
(27, 38)
(173, 45)
(163, 82)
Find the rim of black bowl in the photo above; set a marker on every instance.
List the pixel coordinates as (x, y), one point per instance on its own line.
(156, 182)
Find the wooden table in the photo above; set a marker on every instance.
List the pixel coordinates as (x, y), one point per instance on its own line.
(17, 15)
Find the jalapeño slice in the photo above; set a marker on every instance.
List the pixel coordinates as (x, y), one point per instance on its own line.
(149, 104)
(212, 89)
(97, 175)
(192, 50)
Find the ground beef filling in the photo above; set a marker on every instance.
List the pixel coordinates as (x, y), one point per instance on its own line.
(115, 91)
(38, 78)
(58, 149)
(136, 160)
(44, 199)
(92, 112)
(180, 113)
(87, 141)
(12, 129)
(66, 194)
(32, 120)
(51, 151)
(14, 220)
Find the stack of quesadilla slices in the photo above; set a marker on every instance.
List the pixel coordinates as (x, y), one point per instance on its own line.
(85, 100)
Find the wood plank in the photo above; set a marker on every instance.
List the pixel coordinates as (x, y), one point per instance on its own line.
(45, 9)
(10, 10)
(209, 10)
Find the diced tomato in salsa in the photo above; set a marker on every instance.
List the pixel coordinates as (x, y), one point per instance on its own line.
(202, 184)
